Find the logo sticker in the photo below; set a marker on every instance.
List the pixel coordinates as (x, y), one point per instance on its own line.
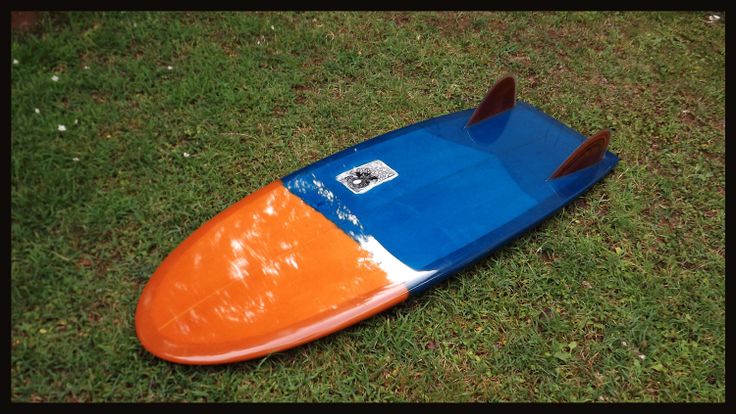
(364, 177)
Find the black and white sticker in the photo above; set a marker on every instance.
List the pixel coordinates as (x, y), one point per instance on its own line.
(364, 177)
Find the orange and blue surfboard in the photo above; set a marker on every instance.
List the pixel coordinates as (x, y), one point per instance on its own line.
(359, 231)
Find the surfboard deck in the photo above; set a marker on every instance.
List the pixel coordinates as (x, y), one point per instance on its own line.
(359, 231)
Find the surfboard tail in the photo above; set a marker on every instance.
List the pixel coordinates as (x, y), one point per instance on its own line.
(591, 151)
(500, 97)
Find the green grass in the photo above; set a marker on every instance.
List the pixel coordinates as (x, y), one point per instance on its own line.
(619, 297)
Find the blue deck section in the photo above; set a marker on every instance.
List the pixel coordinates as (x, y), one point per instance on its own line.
(460, 192)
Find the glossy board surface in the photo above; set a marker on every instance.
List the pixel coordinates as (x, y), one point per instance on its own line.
(356, 233)
(266, 274)
(460, 192)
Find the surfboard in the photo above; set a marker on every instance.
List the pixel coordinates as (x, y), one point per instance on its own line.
(358, 232)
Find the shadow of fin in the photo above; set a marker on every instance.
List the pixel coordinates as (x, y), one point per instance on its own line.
(588, 153)
(500, 97)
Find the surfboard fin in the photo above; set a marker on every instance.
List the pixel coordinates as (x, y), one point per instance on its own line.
(588, 153)
(500, 97)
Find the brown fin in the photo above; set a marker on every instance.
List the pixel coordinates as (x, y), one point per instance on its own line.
(588, 153)
(500, 97)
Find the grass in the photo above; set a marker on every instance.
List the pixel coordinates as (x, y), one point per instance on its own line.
(619, 297)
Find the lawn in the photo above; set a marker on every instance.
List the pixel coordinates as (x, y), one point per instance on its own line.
(169, 118)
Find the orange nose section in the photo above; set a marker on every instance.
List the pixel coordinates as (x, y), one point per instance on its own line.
(266, 274)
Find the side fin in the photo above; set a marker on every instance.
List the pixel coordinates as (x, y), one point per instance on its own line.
(588, 153)
(500, 97)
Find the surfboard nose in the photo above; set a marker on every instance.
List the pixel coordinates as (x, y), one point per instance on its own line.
(266, 274)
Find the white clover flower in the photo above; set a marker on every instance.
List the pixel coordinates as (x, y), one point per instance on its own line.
(62, 128)
(15, 61)
(36, 110)
(55, 78)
